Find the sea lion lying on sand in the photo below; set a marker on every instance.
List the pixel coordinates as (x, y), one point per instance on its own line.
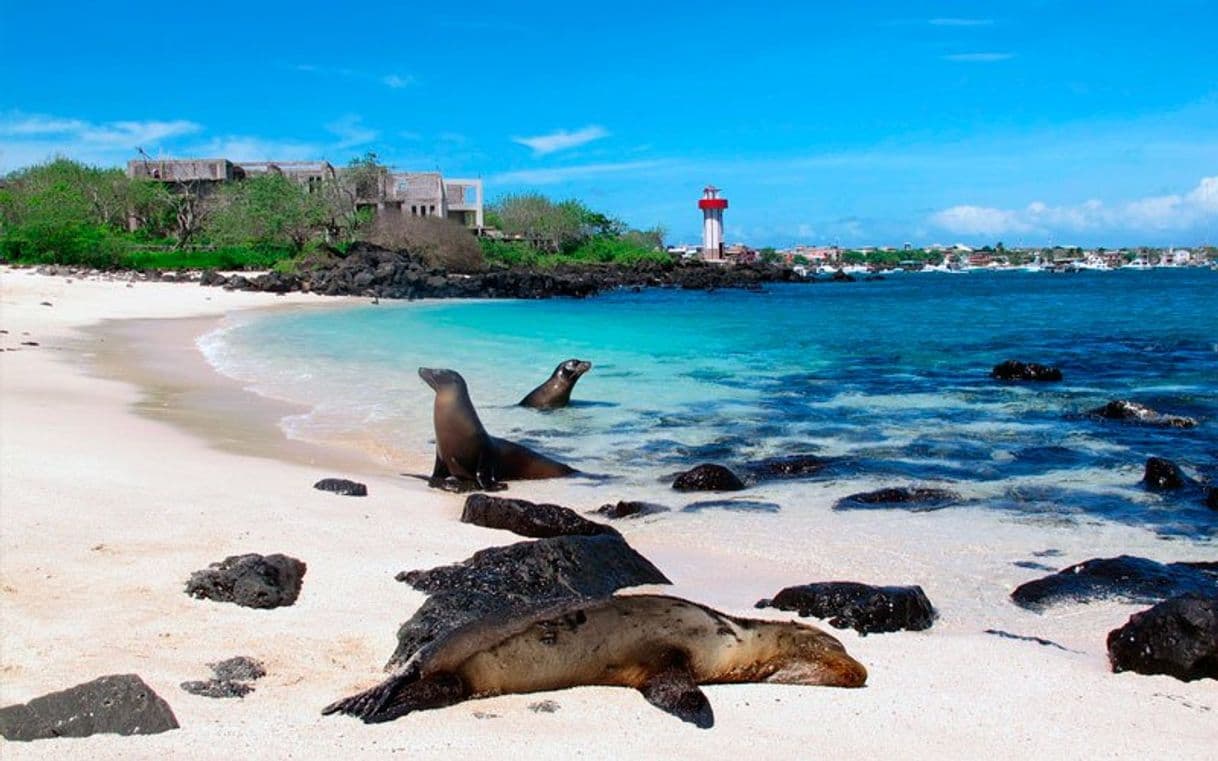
(662, 646)
(464, 450)
(556, 391)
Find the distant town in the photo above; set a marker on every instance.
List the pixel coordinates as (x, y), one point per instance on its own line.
(954, 258)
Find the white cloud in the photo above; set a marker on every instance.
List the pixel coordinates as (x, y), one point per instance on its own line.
(979, 220)
(566, 173)
(562, 139)
(29, 138)
(978, 57)
(960, 22)
(351, 131)
(396, 82)
(121, 133)
(1205, 195)
(245, 148)
(391, 80)
(1153, 213)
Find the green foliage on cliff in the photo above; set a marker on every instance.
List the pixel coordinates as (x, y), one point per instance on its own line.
(542, 232)
(64, 212)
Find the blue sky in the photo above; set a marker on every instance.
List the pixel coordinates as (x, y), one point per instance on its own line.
(824, 122)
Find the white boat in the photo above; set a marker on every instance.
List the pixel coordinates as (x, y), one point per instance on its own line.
(1136, 264)
(1036, 265)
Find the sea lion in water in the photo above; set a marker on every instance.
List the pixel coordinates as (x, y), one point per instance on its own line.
(662, 646)
(556, 391)
(465, 450)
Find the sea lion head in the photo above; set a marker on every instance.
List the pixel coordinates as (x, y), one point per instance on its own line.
(808, 655)
(440, 379)
(572, 369)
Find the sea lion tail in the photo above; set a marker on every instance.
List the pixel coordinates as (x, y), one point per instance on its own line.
(400, 695)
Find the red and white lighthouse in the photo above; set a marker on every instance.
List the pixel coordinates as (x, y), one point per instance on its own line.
(712, 207)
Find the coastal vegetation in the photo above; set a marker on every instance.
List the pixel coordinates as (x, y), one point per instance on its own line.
(65, 212)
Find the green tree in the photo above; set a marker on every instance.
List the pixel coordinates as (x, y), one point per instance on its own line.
(64, 211)
(550, 227)
(271, 211)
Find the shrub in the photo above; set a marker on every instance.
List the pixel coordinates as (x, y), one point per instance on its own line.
(76, 243)
(441, 242)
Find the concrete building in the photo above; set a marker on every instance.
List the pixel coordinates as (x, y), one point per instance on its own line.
(429, 194)
(308, 173)
(419, 194)
(185, 170)
(712, 207)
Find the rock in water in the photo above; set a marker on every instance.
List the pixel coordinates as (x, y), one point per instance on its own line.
(625, 509)
(517, 578)
(1123, 409)
(254, 581)
(1127, 578)
(528, 519)
(1177, 637)
(708, 477)
(787, 466)
(120, 704)
(1013, 370)
(342, 486)
(1211, 498)
(905, 497)
(862, 607)
(1163, 475)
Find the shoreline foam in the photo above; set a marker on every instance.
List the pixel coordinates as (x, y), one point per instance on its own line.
(106, 512)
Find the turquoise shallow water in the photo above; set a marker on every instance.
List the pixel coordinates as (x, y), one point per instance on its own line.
(888, 378)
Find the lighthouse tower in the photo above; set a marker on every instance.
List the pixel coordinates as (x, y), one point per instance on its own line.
(712, 207)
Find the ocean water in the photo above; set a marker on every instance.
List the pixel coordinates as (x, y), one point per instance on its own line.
(887, 380)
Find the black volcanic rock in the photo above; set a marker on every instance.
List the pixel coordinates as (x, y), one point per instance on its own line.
(862, 607)
(1122, 409)
(367, 270)
(252, 581)
(708, 477)
(517, 578)
(230, 679)
(1126, 578)
(1163, 475)
(342, 486)
(914, 499)
(1177, 637)
(528, 519)
(629, 509)
(121, 704)
(1014, 370)
(787, 466)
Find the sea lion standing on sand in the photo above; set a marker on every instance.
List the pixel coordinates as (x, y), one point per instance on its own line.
(556, 391)
(662, 646)
(465, 450)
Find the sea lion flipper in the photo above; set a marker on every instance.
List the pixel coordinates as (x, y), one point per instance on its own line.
(399, 696)
(440, 471)
(674, 690)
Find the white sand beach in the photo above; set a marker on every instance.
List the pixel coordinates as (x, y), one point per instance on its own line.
(118, 478)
